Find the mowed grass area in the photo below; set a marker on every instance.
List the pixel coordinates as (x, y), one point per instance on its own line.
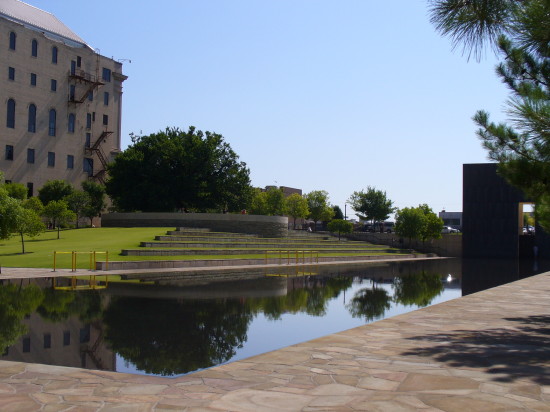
(40, 250)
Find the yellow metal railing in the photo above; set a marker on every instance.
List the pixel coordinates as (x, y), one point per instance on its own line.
(74, 254)
(92, 283)
(293, 256)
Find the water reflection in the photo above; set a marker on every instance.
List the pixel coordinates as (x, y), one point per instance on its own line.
(171, 327)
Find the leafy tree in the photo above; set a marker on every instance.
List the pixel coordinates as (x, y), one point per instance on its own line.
(370, 303)
(410, 222)
(78, 202)
(371, 204)
(418, 289)
(296, 207)
(434, 224)
(54, 190)
(258, 204)
(96, 204)
(340, 226)
(275, 202)
(319, 208)
(34, 204)
(520, 33)
(59, 213)
(28, 223)
(10, 210)
(16, 190)
(173, 169)
(338, 214)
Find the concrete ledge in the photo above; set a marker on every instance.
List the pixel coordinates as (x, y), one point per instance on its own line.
(242, 251)
(269, 226)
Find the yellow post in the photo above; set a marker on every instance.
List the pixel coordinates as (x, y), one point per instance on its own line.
(73, 262)
(91, 256)
(107, 260)
(54, 255)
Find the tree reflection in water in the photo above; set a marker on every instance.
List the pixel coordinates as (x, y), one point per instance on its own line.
(370, 303)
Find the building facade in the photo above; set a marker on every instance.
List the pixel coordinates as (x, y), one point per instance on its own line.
(61, 101)
(451, 219)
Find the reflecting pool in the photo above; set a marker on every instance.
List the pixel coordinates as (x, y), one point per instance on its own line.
(173, 326)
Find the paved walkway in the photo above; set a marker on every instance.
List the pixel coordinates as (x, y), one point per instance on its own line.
(489, 351)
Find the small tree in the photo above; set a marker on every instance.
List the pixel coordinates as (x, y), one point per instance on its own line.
(10, 210)
(371, 205)
(34, 204)
(58, 211)
(78, 202)
(296, 207)
(275, 202)
(28, 223)
(16, 190)
(54, 190)
(338, 214)
(97, 203)
(258, 204)
(434, 224)
(410, 222)
(340, 226)
(319, 208)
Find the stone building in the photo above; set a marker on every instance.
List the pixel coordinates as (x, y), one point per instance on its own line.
(61, 101)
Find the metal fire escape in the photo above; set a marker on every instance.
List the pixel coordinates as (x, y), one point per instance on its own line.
(96, 149)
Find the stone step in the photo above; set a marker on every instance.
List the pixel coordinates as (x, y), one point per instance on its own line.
(216, 238)
(246, 245)
(246, 251)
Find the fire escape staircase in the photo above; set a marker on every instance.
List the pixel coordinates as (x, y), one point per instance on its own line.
(90, 80)
(96, 149)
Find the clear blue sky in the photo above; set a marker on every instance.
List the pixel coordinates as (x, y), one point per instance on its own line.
(313, 94)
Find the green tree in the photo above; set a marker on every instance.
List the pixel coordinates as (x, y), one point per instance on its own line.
(96, 204)
(520, 33)
(410, 222)
(58, 212)
(319, 208)
(417, 289)
(78, 202)
(28, 223)
(340, 226)
(434, 224)
(338, 214)
(10, 210)
(370, 303)
(258, 204)
(34, 204)
(296, 207)
(16, 190)
(173, 169)
(275, 202)
(54, 190)
(371, 205)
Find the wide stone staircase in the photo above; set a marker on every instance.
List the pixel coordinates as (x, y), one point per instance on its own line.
(193, 247)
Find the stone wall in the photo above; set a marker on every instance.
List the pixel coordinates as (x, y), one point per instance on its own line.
(266, 226)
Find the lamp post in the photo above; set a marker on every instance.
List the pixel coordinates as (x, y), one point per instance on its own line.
(345, 211)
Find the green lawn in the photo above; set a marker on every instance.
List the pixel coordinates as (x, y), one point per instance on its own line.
(40, 250)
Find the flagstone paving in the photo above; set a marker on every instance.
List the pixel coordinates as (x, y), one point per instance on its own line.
(489, 351)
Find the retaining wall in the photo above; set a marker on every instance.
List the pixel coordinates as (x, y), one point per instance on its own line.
(267, 226)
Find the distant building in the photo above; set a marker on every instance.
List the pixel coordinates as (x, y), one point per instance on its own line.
(287, 191)
(452, 219)
(62, 101)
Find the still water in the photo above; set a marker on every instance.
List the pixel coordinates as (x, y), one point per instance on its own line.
(177, 326)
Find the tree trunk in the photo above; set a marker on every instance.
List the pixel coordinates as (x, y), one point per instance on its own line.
(22, 243)
(58, 230)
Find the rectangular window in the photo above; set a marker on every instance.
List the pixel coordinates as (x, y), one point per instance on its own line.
(66, 338)
(88, 139)
(78, 61)
(11, 73)
(72, 92)
(30, 155)
(30, 189)
(106, 98)
(106, 75)
(33, 79)
(53, 85)
(70, 162)
(88, 166)
(27, 344)
(73, 67)
(88, 121)
(85, 334)
(47, 341)
(91, 96)
(9, 152)
(54, 55)
(105, 120)
(51, 159)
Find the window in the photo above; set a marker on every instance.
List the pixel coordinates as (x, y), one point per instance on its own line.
(27, 344)
(47, 341)
(88, 139)
(70, 162)
(33, 79)
(105, 120)
(88, 121)
(30, 189)
(32, 119)
(9, 152)
(72, 92)
(12, 40)
(71, 123)
(73, 67)
(52, 123)
(30, 155)
(106, 98)
(10, 121)
(11, 73)
(34, 48)
(106, 74)
(51, 159)
(91, 96)
(66, 338)
(78, 61)
(53, 85)
(54, 55)
(88, 166)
